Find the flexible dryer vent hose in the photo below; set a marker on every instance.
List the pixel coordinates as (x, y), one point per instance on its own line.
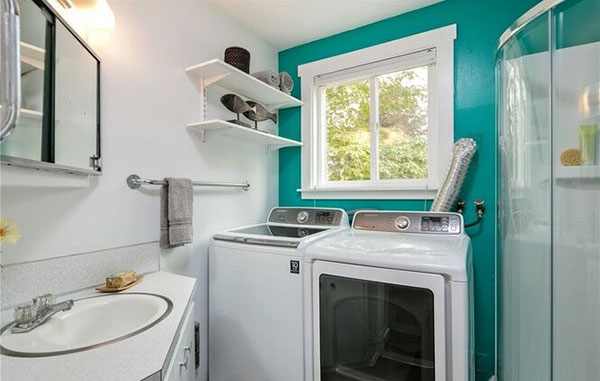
(462, 153)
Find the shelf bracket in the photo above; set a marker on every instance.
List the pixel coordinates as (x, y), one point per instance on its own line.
(215, 78)
(202, 101)
(201, 87)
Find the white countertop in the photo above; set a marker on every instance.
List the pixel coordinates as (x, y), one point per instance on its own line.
(132, 359)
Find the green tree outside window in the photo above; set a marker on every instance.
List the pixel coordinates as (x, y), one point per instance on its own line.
(402, 114)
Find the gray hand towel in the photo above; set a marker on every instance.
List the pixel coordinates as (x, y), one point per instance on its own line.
(286, 83)
(270, 77)
(176, 208)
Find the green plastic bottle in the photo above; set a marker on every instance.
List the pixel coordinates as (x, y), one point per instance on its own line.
(587, 143)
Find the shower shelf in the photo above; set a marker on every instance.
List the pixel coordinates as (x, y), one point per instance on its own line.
(577, 172)
(217, 72)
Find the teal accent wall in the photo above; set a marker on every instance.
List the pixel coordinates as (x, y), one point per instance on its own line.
(479, 25)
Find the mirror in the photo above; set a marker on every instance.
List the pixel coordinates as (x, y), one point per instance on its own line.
(59, 123)
(75, 102)
(26, 140)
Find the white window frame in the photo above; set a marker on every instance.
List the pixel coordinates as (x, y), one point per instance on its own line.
(440, 119)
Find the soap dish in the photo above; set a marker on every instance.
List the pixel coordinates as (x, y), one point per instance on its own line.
(138, 279)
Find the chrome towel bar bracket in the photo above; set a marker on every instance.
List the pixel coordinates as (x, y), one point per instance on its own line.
(134, 182)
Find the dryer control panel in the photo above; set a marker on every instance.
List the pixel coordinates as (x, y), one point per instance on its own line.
(308, 216)
(409, 222)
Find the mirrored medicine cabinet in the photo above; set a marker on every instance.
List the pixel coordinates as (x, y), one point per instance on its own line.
(59, 122)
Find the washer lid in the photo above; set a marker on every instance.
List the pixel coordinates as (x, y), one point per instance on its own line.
(269, 234)
(288, 227)
(270, 230)
(437, 254)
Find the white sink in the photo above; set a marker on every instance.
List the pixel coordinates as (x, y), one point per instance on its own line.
(91, 322)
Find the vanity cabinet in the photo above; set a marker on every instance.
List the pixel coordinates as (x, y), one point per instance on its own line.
(182, 366)
(59, 121)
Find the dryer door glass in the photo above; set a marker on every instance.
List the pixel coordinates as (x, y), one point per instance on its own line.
(375, 331)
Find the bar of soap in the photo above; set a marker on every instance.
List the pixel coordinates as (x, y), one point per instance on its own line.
(121, 279)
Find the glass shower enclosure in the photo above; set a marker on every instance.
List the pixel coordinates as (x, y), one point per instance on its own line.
(548, 110)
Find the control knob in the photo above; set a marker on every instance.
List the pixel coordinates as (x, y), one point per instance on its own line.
(302, 217)
(402, 223)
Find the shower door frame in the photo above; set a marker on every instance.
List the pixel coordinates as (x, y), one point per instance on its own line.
(545, 7)
(539, 9)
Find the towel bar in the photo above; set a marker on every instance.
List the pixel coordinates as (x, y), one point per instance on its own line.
(134, 182)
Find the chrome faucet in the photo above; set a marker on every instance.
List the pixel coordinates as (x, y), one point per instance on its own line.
(32, 315)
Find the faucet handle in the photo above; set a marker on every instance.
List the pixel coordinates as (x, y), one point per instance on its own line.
(44, 301)
(25, 314)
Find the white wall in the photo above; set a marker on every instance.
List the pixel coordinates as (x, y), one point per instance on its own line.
(146, 102)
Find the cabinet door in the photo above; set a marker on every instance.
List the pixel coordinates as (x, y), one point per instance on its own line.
(75, 102)
(182, 364)
(29, 139)
(59, 121)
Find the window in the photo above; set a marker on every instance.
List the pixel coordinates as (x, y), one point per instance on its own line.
(378, 122)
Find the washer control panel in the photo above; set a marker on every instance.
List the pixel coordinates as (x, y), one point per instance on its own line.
(409, 222)
(307, 216)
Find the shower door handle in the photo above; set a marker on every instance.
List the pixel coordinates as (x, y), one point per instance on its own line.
(10, 68)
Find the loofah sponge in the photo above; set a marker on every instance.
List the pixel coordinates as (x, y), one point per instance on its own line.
(570, 157)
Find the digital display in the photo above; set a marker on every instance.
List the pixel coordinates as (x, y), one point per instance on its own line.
(434, 224)
(324, 217)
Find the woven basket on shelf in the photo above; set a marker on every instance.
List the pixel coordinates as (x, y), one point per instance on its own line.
(238, 58)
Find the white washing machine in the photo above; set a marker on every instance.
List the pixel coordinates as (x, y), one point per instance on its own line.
(390, 300)
(256, 294)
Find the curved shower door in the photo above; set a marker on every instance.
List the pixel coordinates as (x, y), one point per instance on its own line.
(549, 192)
(576, 191)
(525, 205)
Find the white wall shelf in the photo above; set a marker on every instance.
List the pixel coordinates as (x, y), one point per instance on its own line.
(272, 142)
(33, 55)
(577, 172)
(228, 77)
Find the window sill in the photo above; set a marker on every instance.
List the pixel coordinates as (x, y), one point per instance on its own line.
(368, 194)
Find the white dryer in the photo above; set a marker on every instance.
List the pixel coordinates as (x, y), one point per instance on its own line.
(256, 287)
(389, 300)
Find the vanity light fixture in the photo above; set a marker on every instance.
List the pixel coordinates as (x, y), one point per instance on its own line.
(94, 20)
(97, 13)
(99, 20)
